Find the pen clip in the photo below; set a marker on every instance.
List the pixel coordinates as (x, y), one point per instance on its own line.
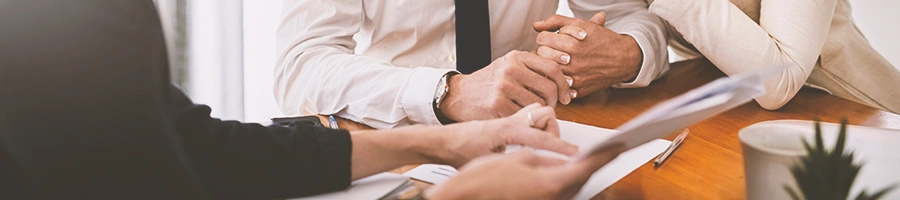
(671, 149)
(333, 122)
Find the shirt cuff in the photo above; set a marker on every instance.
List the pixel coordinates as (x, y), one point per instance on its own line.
(418, 96)
(648, 66)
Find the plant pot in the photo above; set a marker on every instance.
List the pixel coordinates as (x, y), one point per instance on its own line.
(769, 152)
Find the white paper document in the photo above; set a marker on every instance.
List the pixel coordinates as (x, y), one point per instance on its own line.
(582, 136)
(372, 187)
(432, 173)
(689, 108)
(640, 134)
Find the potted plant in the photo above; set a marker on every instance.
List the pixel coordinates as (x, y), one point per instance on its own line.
(828, 173)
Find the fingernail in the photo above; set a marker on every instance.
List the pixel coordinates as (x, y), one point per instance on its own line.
(565, 58)
(582, 34)
(566, 100)
(573, 93)
(569, 80)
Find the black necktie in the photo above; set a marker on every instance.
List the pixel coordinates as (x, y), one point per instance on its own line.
(473, 35)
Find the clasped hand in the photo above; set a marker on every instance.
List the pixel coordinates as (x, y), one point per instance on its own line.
(579, 59)
(508, 84)
(592, 55)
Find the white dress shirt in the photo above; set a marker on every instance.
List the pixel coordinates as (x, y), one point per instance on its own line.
(378, 62)
(817, 39)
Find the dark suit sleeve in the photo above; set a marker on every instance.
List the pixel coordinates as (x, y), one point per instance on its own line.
(250, 161)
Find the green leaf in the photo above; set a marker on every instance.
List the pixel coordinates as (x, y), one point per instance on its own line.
(884, 191)
(790, 191)
(820, 146)
(828, 173)
(842, 137)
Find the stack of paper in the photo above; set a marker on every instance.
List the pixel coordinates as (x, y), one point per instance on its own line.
(372, 187)
(640, 134)
(432, 173)
(582, 136)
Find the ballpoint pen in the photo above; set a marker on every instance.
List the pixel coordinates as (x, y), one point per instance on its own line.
(332, 122)
(675, 143)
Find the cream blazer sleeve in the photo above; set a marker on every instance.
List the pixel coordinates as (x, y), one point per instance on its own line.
(789, 32)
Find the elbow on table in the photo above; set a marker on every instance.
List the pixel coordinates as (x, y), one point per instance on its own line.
(295, 82)
(779, 90)
(289, 93)
(283, 99)
(773, 100)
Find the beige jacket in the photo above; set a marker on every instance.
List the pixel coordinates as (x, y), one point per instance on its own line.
(817, 38)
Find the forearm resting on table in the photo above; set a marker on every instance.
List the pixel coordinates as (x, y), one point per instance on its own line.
(376, 151)
(739, 44)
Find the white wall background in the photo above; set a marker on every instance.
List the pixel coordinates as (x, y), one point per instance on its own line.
(232, 57)
(261, 18)
(876, 18)
(215, 56)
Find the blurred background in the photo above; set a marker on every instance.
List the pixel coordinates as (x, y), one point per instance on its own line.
(223, 51)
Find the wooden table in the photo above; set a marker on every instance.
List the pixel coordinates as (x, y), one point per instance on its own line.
(709, 163)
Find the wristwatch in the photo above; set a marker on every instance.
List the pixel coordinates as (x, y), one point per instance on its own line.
(443, 88)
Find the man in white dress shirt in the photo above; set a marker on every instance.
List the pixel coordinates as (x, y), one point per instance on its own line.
(388, 63)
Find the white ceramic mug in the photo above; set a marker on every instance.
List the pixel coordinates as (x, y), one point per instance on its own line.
(769, 152)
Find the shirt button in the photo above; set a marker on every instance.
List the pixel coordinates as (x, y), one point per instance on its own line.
(451, 58)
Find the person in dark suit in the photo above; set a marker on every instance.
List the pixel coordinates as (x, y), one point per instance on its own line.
(87, 112)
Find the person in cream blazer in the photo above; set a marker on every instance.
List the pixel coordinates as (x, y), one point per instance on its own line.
(817, 39)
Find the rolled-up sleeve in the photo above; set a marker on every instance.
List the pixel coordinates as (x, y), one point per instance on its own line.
(317, 71)
(631, 17)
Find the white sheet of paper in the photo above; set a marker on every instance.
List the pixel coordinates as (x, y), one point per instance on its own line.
(432, 173)
(372, 187)
(582, 136)
(689, 108)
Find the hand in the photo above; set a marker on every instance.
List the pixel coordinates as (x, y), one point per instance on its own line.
(376, 151)
(593, 56)
(522, 175)
(466, 141)
(506, 85)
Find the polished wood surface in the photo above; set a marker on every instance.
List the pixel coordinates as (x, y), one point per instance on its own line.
(709, 163)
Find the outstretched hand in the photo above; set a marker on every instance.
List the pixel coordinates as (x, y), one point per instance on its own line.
(522, 175)
(467, 141)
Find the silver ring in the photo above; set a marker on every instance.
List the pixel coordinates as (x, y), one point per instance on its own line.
(530, 119)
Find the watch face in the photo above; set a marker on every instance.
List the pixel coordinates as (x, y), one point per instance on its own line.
(441, 89)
